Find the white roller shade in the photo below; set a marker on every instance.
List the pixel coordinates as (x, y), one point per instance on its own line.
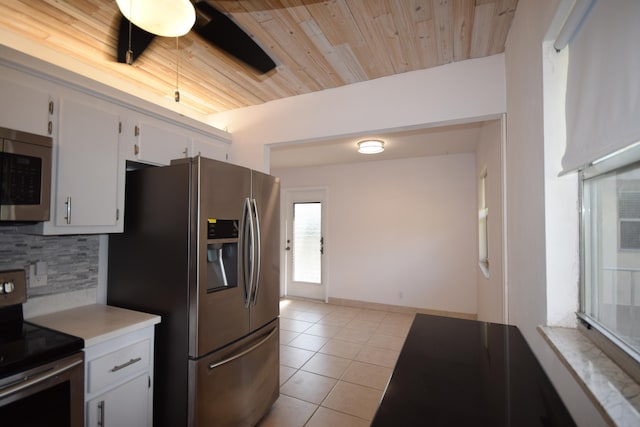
(603, 83)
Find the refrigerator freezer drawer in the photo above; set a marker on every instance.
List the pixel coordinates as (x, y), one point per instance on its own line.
(236, 386)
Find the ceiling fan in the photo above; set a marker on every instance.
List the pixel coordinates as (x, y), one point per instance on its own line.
(213, 26)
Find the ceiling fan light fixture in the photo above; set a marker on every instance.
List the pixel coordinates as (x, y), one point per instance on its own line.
(370, 146)
(166, 18)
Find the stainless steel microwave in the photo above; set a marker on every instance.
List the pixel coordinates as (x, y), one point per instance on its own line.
(25, 176)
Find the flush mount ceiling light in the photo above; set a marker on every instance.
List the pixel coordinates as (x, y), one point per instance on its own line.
(166, 18)
(370, 146)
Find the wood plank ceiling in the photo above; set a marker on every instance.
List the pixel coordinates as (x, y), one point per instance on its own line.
(316, 44)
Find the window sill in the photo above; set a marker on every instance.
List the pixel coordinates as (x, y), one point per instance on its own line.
(613, 392)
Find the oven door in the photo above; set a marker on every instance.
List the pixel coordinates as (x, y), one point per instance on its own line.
(47, 395)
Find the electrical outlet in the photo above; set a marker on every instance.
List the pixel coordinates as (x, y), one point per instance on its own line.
(38, 274)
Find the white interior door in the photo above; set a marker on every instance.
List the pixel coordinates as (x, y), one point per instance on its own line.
(305, 244)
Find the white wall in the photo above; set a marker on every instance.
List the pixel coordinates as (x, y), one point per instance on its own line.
(399, 232)
(525, 167)
(490, 289)
(561, 197)
(457, 92)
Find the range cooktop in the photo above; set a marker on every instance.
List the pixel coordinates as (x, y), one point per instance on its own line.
(24, 345)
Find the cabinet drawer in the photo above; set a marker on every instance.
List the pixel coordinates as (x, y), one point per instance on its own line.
(117, 365)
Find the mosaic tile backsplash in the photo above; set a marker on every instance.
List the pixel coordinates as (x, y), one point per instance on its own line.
(71, 261)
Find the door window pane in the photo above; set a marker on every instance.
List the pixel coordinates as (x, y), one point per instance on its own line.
(307, 241)
(483, 233)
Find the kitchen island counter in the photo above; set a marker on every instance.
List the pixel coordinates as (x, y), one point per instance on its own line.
(454, 372)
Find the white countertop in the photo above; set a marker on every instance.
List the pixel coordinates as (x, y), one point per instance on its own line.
(96, 323)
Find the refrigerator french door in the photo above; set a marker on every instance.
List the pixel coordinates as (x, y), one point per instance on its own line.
(200, 248)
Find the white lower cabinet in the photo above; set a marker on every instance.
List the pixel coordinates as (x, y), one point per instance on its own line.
(119, 381)
(125, 405)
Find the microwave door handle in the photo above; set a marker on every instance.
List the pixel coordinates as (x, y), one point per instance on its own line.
(257, 251)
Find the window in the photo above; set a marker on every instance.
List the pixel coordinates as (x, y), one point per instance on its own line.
(629, 215)
(307, 242)
(483, 219)
(610, 299)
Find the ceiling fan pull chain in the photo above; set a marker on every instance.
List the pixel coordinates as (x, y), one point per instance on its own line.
(176, 95)
(129, 54)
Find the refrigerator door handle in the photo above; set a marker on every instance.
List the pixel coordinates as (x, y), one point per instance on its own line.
(258, 253)
(242, 353)
(247, 251)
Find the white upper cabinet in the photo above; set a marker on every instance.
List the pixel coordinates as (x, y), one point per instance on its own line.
(210, 148)
(95, 131)
(152, 141)
(87, 164)
(25, 108)
(155, 142)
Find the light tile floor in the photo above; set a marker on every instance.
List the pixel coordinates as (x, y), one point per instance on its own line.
(335, 362)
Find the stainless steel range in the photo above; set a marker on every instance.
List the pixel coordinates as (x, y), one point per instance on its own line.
(41, 370)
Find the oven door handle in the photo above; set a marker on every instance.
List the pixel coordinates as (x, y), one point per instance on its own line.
(37, 378)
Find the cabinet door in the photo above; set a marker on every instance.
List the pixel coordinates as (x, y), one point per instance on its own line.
(87, 167)
(24, 108)
(126, 405)
(159, 143)
(210, 148)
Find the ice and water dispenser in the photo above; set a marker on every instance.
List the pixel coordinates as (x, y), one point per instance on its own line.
(222, 254)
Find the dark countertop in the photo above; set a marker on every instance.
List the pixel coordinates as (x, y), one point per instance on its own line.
(454, 372)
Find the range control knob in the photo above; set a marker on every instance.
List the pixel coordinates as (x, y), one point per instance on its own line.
(8, 287)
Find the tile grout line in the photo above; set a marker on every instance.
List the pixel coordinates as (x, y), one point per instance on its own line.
(378, 319)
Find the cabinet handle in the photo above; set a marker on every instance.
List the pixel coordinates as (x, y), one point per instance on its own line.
(124, 365)
(68, 203)
(50, 107)
(50, 127)
(136, 131)
(101, 413)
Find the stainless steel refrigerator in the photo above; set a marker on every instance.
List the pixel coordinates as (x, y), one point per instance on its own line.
(201, 248)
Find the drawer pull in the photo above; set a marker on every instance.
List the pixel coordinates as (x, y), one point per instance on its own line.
(124, 365)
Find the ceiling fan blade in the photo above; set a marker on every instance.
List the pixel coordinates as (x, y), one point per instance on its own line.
(221, 31)
(140, 39)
